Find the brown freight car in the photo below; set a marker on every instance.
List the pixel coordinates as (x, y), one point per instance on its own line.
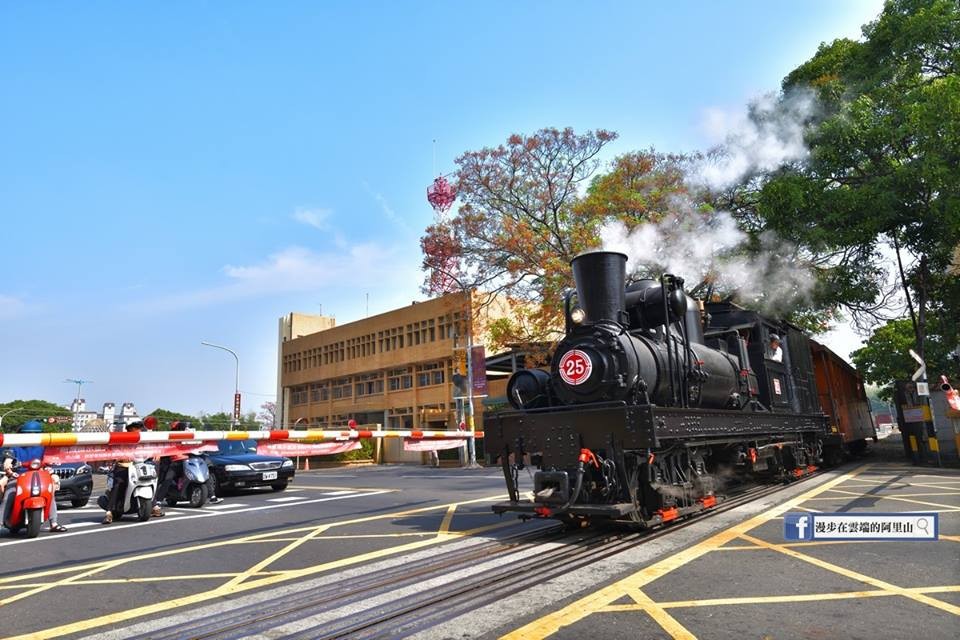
(844, 401)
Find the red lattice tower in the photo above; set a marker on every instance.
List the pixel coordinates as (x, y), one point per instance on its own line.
(441, 195)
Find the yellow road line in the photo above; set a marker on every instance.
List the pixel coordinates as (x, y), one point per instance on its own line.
(248, 584)
(447, 519)
(661, 617)
(880, 497)
(244, 539)
(266, 562)
(753, 547)
(80, 583)
(553, 622)
(860, 577)
(903, 483)
(806, 597)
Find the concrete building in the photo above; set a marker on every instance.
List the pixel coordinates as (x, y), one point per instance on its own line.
(128, 414)
(396, 368)
(109, 413)
(80, 414)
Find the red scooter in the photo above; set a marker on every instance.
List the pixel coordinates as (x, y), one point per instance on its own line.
(31, 504)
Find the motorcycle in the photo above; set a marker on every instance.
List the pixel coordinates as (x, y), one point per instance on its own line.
(30, 506)
(138, 496)
(191, 483)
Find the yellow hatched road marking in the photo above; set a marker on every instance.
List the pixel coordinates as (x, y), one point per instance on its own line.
(904, 483)
(260, 537)
(553, 622)
(753, 547)
(235, 586)
(806, 597)
(266, 562)
(860, 577)
(880, 497)
(662, 618)
(80, 583)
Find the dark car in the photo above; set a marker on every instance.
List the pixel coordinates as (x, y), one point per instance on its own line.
(76, 483)
(237, 465)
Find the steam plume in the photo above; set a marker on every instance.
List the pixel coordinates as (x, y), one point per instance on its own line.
(709, 247)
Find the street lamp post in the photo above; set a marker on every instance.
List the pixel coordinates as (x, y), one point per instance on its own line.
(8, 413)
(236, 386)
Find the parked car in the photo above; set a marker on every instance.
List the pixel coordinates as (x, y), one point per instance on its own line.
(76, 483)
(237, 465)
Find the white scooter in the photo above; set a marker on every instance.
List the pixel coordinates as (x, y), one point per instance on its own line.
(138, 497)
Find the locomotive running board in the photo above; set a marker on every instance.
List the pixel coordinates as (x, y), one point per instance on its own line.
(543, 510)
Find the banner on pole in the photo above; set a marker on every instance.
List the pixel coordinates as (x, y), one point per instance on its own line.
(411, 444)
(95, 453)
(478, 364)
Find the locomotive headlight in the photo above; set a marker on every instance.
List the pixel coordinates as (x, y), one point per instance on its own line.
(578, 315)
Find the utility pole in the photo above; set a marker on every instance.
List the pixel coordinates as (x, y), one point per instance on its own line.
(76, 406)
(471, 444)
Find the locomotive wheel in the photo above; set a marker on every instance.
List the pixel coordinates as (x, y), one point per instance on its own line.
(572, 523)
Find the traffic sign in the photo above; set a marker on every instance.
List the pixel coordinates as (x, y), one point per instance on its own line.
(923, 389)
(922, 371)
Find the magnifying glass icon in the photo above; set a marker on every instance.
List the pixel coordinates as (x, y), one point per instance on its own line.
(923, 525)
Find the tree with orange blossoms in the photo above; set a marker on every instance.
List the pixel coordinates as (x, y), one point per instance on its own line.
(641, 186)
(517, 229)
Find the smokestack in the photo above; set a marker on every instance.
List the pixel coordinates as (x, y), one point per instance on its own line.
(600, 277)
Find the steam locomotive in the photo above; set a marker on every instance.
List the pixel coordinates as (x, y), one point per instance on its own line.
(654, 401)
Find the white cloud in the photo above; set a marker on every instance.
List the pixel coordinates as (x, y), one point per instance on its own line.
(11, 307)
(316, 218)
(385, 207)
(297, 269)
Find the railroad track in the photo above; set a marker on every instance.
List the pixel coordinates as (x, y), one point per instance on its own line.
(514, 569)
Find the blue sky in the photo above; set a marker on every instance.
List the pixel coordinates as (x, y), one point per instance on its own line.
(185, 171)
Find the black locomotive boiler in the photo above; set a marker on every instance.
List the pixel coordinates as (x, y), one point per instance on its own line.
(653, 402)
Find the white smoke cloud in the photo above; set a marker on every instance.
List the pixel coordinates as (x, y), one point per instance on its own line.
(709, 247)
(765, 136)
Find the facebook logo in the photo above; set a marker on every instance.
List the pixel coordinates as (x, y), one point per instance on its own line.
(798, 526)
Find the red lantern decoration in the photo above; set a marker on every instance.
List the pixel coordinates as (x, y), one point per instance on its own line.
(441, 195)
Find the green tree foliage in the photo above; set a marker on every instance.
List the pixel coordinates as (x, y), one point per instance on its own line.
(21, 411)
(884, 166)
(516, 229)
(885, 357)
(222, 421)
(165, 417)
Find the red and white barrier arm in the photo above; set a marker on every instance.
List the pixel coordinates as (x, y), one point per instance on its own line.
(152, 437)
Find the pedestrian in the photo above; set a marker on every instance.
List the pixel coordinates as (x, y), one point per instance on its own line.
(23, 456)
(121, 477)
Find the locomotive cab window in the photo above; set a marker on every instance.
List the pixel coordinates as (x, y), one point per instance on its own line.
(774, 347)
